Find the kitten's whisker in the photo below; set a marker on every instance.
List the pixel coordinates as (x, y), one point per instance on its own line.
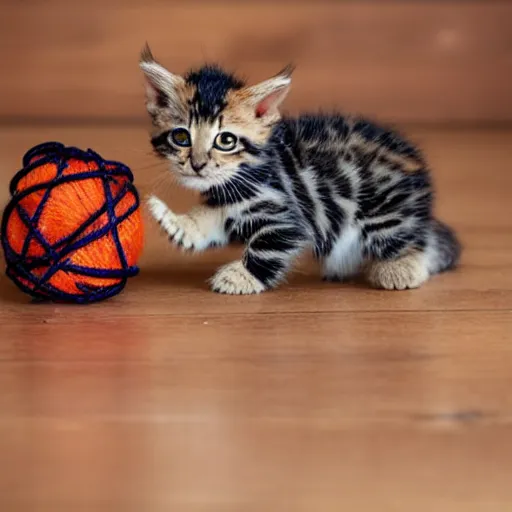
(149, 166)
(132, 150)
(163, 180)
(232, 197)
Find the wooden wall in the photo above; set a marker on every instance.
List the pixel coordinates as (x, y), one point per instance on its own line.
(407, 61)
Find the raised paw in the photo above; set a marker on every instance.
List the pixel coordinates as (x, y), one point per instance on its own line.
(235, 279)
(407, 272)
(181, 229)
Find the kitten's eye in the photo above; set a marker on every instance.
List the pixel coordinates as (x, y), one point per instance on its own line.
(225, 141)
(180, 137)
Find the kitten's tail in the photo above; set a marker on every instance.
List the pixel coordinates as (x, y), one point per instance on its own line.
(443, 248)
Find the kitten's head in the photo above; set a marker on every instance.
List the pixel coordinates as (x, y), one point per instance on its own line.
(208, 122)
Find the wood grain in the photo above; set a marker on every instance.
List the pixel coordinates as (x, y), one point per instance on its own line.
(315, 397)
(402, 61)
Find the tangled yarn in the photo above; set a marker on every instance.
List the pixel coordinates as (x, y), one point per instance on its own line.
(72, 230)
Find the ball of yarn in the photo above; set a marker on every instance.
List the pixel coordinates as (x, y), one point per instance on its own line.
(72, 230)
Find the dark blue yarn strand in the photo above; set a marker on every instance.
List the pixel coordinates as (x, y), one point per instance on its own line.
(115, 232)
(40, 149)
(32, 224)
(18, 266)
(34, 221)
(112, 218)
(24, 216)
(105, 293)
(100, 272)
(46, 155)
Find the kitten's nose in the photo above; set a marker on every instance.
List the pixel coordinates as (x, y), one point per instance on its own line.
(198, 165)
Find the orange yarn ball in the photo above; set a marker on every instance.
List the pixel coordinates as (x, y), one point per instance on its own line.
(72, 230)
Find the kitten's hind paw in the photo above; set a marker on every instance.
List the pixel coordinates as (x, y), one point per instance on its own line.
(404, 273)
(235, 279)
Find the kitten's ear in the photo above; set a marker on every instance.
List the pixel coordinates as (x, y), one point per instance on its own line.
(267, 96)
(162, 86)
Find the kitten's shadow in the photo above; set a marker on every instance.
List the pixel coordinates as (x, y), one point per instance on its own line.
(196, 277)
(171, 276)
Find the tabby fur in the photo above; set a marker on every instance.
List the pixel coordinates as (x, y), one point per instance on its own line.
(359, 195)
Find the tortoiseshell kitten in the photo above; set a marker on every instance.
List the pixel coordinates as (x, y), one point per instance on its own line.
(360, 196)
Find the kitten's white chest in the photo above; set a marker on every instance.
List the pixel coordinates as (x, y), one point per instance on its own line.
(346, 257)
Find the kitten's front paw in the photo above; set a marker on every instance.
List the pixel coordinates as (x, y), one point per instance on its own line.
(235, 279)
(181, 229)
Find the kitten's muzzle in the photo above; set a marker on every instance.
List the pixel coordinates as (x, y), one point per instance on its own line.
(197, 166)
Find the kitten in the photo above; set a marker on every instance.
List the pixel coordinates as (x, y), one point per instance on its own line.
(358, 195)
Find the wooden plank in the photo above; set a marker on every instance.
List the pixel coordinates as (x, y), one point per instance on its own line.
(431, 340)
(199, 464)
(405, 61)
(234, 413)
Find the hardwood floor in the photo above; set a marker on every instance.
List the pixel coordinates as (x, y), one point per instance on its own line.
(315, 397)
